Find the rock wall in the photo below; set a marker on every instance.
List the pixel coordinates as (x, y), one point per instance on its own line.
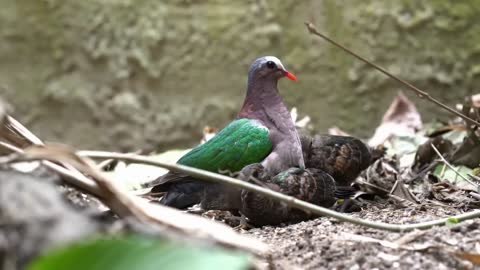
(145, 74)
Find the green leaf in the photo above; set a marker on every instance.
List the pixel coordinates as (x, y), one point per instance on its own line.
(453, 220)
(140, 253)
(443, 172)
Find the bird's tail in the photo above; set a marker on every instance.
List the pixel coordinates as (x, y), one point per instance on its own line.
(180, 195)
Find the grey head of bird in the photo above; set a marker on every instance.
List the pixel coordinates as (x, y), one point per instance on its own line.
(268, 67)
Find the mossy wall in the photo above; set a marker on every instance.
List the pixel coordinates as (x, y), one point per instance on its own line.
(131, 74)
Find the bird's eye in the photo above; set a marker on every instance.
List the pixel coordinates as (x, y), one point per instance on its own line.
(271, 64)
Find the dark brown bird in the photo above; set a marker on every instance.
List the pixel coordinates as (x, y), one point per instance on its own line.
(310, 185)
(426, 155)
(342, 157)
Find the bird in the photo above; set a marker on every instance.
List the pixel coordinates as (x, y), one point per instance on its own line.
(310, 185)
(263, 132)
(342, 157)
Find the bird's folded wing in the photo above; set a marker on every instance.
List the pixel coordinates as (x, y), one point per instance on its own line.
(242, 142)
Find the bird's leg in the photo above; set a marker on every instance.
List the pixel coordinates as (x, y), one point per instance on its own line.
(345, 204)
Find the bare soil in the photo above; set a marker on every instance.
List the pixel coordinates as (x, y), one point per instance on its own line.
(325, 243)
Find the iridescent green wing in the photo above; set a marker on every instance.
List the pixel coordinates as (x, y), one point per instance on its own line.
(242, 142)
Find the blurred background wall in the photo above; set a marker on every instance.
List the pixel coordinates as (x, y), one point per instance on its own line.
(149, 74)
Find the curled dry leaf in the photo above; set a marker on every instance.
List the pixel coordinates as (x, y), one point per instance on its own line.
(383, 174)
(400, 119)
(400, 190)
(447, 192)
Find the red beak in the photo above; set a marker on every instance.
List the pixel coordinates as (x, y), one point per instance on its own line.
(290, 76)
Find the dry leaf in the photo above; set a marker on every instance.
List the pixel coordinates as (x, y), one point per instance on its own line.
(401, 119)
(400, 190)
(473, 258)
(336, 131)
(383, 173)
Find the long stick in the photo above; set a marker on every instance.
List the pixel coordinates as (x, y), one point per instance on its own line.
(290, 201)
(72, 177)
(421, 94)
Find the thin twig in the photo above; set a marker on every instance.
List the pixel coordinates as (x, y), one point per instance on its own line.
(71, 177)
(475, 195)
(15, 132)
(453, 168)
(421, 94)
(290, 201)
(104, 164)
(395, 197)
(474, 177)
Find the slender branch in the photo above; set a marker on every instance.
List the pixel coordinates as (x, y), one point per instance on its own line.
(71, 177)
(474, 177)
(15, 132)
(395, 197)
(421, 94)
(290, 201)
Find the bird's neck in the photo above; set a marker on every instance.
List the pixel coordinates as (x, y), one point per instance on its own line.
(262, 96)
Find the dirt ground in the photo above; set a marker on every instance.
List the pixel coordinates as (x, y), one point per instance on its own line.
(325, 243)
(322, 243)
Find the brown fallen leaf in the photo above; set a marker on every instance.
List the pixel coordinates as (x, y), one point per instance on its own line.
(17, 134)
(382, 173)
(400, 190)
(472, 257)
(401, 118)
